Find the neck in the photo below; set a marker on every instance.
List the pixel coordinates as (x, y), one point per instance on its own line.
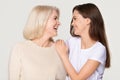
(87, 42)
(43, 41)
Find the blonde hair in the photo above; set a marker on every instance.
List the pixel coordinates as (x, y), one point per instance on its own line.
(37, 20)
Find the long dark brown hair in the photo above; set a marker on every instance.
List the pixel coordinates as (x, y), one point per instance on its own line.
(97, 29)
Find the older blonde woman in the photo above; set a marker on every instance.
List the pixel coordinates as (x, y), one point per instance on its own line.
(36, 57)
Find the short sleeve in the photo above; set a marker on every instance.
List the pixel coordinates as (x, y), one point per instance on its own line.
(99, 54)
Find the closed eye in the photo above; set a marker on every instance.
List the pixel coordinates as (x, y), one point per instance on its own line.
(55, 18)
(74, 18)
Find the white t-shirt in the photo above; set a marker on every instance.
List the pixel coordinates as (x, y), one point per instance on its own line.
(78, 57)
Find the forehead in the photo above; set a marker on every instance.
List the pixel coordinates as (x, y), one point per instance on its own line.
(76, 14)
(54, 13)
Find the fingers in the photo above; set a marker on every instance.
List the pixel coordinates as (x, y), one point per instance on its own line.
(59, 42)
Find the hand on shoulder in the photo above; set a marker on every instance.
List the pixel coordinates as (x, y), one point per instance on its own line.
(61, 47)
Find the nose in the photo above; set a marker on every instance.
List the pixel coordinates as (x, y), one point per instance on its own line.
(72, 23)
(58, 22)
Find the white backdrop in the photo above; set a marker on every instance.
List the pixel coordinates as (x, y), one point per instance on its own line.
(14, 13)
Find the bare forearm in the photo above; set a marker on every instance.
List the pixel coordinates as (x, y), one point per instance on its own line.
(69, 68)
(87, 70)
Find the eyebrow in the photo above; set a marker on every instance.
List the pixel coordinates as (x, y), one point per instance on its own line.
(74, 16)
(56, 16)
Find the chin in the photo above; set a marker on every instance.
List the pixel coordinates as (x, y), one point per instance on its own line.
(54, 35)
(75, 33)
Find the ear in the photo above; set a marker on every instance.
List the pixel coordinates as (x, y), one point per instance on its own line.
(88, 20)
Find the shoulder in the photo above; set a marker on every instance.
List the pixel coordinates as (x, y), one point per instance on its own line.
(73, 40)
(16, 49)
(99, 47)
(20, 45)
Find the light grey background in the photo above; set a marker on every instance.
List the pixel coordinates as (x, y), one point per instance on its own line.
(14, 13)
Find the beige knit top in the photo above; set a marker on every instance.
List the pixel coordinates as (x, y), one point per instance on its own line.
(28, 61)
